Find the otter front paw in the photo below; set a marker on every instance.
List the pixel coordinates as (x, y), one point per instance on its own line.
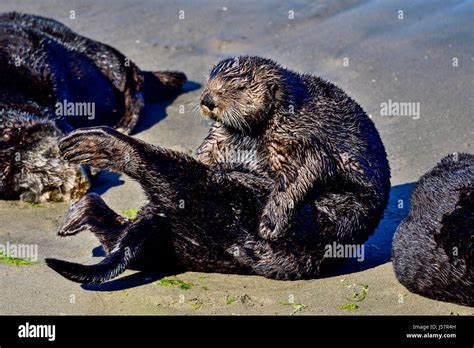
(101, 147)
(273, 223)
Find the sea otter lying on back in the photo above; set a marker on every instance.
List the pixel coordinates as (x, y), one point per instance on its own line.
(315, 172)
(433, 248)
(52, 81)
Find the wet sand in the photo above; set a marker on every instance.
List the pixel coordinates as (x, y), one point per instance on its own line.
(362, 46)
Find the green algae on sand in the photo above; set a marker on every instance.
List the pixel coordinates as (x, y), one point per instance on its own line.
(15, 261)
(166, 282)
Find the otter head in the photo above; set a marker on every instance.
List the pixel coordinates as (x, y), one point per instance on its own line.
(31, 167)
(241, 92)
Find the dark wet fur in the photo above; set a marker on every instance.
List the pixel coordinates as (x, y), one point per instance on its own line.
(218, 227)
(433, 253)
(55, 65)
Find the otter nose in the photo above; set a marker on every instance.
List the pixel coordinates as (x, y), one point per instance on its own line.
(208, 102)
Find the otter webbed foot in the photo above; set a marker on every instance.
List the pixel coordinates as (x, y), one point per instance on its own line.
(101, 147)
(91, 213)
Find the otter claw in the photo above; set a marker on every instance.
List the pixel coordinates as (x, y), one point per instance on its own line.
(95, 146)
(269, 231)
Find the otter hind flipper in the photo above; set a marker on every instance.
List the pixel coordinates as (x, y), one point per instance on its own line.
(126, 250)
(92, 213)
(111, 266)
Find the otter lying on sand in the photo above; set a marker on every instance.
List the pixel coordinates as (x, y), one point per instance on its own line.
(52, 81)
(433, 248)
(291, 165)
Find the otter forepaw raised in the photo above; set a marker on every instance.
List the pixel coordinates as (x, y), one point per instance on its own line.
(101, 147)
(273, 225)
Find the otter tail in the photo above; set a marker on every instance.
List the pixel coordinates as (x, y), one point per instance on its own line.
(161, 85)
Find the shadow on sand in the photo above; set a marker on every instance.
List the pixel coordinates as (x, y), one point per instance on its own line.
(156, 112)
(378, 248)
(127, 282)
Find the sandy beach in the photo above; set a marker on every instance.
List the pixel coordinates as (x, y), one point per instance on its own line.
(377, 54)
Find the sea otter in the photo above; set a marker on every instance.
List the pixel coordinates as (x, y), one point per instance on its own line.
(291, 165)
(433, 248)
(49, 74)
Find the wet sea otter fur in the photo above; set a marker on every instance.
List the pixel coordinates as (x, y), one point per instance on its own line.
(45, 68)
(433, 248)
(315, 172)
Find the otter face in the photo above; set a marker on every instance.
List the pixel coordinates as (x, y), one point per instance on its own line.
(239, 92)
(31, 167)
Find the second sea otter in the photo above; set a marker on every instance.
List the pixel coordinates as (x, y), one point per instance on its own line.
(52, 81)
